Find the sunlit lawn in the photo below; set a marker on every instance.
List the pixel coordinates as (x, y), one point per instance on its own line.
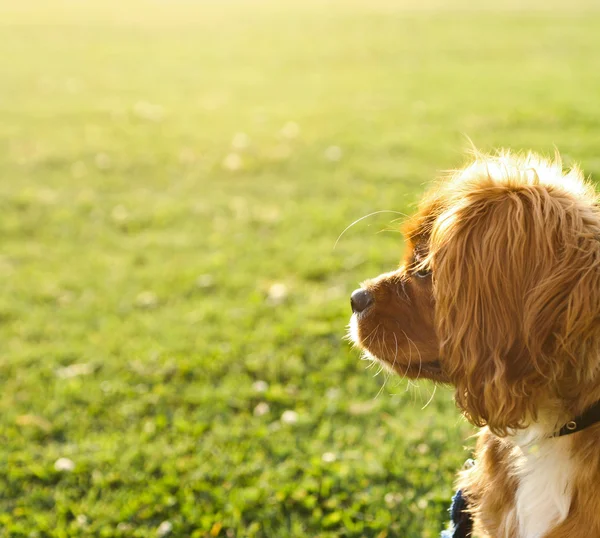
(173, 178)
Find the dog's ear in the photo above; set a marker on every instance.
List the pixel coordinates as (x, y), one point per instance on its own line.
(517, 288)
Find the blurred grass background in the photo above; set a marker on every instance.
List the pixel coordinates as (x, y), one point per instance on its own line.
(173, 177)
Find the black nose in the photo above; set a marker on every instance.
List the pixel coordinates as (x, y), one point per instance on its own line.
(360, 300)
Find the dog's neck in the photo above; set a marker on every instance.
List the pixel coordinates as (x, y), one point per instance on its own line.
(554, 415)
(543, 465)
(547, 423)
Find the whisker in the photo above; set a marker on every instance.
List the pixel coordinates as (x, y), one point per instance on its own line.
(403, 286)
(431, 397)
(382, 345)
(369, 339)
(390, 372)
(418, 353)
(390, 230)
(409, 355)
(363, 218)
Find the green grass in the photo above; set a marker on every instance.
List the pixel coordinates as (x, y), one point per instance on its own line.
(131, 247)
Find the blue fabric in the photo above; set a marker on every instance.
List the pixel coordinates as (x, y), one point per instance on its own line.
(462, 525)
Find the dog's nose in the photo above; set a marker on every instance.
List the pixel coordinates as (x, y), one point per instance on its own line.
(360, 300)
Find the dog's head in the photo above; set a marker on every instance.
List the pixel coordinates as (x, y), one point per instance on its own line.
(498, 293)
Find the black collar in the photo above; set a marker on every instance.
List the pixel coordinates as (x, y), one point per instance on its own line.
(589, 417)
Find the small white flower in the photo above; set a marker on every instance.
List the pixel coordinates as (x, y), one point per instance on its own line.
(119, 213)
(148, 111)
(277, 293)
(260, 386)
(46, 196)
(164, 529)
(232, 162)
(73, 85)
(329, 457)
(240, 141)
(146, 299)
(75, 370)
(64, 465)
(419, 106)
(261, 409)
(187, 156)
(393, 499)
(106, 386)
(290, 130)
(205, 281)
(333, 153)
(102, 161)
(149, 427)
(289, 417)
(332, 393)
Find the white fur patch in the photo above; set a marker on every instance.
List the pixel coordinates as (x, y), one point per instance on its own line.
(353, 330)
(544, 494)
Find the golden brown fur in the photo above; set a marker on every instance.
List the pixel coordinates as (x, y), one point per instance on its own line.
(499, 295)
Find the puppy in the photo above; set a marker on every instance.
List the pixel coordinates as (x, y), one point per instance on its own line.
(499, 296)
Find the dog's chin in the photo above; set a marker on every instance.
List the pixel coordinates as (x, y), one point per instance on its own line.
(415, 368)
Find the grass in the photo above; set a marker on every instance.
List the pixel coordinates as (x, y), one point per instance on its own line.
(174, 176)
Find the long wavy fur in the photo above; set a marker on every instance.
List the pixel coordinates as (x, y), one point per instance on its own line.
(515, 250)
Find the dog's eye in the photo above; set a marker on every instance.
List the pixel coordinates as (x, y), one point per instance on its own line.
(424, 272)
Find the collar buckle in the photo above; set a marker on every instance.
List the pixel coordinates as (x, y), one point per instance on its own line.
(588, 418)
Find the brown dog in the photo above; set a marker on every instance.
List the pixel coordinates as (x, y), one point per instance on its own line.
(499, 296)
